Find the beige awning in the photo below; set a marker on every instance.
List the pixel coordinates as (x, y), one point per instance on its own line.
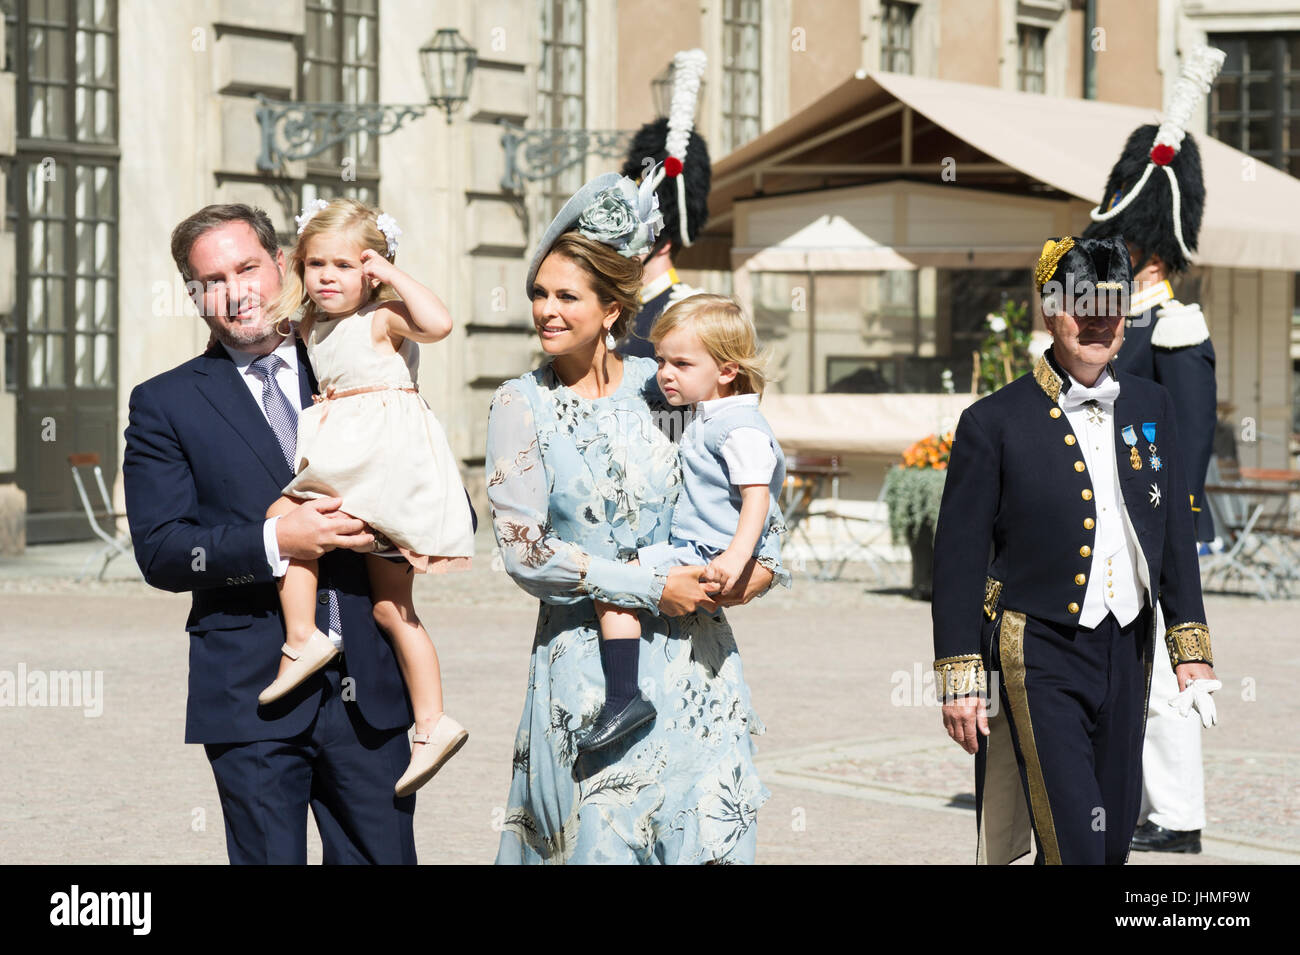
(833, 424)
(889, 126)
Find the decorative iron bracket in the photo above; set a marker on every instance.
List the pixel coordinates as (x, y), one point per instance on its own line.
(308, 129)
(535, 154)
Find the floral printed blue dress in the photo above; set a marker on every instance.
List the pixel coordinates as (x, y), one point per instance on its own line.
(576, 486)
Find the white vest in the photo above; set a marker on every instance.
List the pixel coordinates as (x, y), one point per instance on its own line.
(1115, 583)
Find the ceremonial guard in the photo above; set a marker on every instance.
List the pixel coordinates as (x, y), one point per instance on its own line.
(1064, 519)
(683, 194)
(1154, 198)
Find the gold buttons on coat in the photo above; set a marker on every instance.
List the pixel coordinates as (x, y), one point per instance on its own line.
(1069, 439)
(1080, 579)
(1055, 412)
(1086, 494)
(1079, 466)
(1089, 523)
(1073, 608)
(1085, 551)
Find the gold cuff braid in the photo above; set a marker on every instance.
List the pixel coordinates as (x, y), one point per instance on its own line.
(1189, 643)
(992, 591)
(959, 676)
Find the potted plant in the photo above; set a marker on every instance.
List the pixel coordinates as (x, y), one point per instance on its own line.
(1004, 355)
(912, 492)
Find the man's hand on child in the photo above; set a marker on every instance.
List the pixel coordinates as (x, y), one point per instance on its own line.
(317, 526)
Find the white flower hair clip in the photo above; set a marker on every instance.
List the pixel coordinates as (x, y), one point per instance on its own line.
(308, 211)
(388, 226)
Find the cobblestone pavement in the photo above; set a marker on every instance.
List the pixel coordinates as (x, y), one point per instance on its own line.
(857, 773)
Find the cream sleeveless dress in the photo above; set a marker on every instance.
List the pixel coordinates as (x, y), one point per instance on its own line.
(383, 452)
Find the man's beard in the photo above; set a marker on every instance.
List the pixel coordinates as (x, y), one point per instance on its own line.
(242, 335)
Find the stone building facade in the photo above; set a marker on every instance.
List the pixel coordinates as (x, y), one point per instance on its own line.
(120, 117)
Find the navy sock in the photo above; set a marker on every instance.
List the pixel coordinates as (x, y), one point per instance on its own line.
(619, 659)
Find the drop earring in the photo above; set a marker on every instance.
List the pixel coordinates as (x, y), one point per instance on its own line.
(610, 344)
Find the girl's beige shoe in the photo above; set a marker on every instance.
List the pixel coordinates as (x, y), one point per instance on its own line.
(318, 652)
(430, 751)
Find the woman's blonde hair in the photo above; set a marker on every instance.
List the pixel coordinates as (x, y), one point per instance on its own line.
(613, 277)
(344, 215)
(726, 333)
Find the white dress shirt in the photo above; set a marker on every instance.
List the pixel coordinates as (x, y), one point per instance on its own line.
(1114, 584)
(747, 451)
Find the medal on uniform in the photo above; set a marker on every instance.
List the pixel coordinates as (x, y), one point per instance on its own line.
(1149, 432)
(1131, 439)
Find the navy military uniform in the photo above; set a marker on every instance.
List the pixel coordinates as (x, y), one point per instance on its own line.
(656, 298)
(1013, 557)
(1169, 342)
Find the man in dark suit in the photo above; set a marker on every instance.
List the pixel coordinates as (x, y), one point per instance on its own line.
(208, 448)
(1065, 517)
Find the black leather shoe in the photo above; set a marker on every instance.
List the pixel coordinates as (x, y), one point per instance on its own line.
(1152, 838)
(610, 728)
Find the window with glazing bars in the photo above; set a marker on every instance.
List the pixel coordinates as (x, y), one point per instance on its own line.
(340, 64)
(1255, 103)
(1031, 75)
(561, 89)
(62, 202)
(896, 36)
(742, 73)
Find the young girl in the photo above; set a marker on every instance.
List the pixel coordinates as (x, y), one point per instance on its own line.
(373, 441)
(732, 471)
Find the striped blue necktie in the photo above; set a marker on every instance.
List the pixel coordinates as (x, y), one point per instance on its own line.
(283, 416)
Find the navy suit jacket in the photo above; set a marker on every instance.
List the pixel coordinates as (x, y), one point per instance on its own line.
(1016, 511)
(200, 469)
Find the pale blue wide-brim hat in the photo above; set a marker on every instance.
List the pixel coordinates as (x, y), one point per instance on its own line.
(622, 215)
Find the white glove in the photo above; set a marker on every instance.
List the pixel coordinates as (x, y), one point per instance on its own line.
(1197, 695)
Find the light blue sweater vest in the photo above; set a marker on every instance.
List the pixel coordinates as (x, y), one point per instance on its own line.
(708, 507)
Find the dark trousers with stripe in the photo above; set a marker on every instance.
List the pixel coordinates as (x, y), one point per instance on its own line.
(340, 766)
(1077, 700)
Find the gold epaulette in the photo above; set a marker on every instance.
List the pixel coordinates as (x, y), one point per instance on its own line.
(959, 676)
(1189, 643)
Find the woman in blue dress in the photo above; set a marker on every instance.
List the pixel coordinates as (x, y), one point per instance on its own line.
(582, 474)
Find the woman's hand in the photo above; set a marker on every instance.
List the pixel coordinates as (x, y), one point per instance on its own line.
(753, 580)
(684, 592)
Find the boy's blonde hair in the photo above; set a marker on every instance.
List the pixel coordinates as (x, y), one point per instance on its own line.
(726, 333)
(341, 215)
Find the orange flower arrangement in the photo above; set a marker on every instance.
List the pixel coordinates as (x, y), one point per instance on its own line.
(929, 452)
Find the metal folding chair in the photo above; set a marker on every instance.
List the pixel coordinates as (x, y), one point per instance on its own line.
(115, 544)
(806, 479)
(1254, 551)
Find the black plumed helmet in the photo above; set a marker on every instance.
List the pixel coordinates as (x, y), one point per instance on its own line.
(649, 148)
(1148, 222)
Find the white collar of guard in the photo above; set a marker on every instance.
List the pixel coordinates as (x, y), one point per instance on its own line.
(1150, 297)
(658, 285)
